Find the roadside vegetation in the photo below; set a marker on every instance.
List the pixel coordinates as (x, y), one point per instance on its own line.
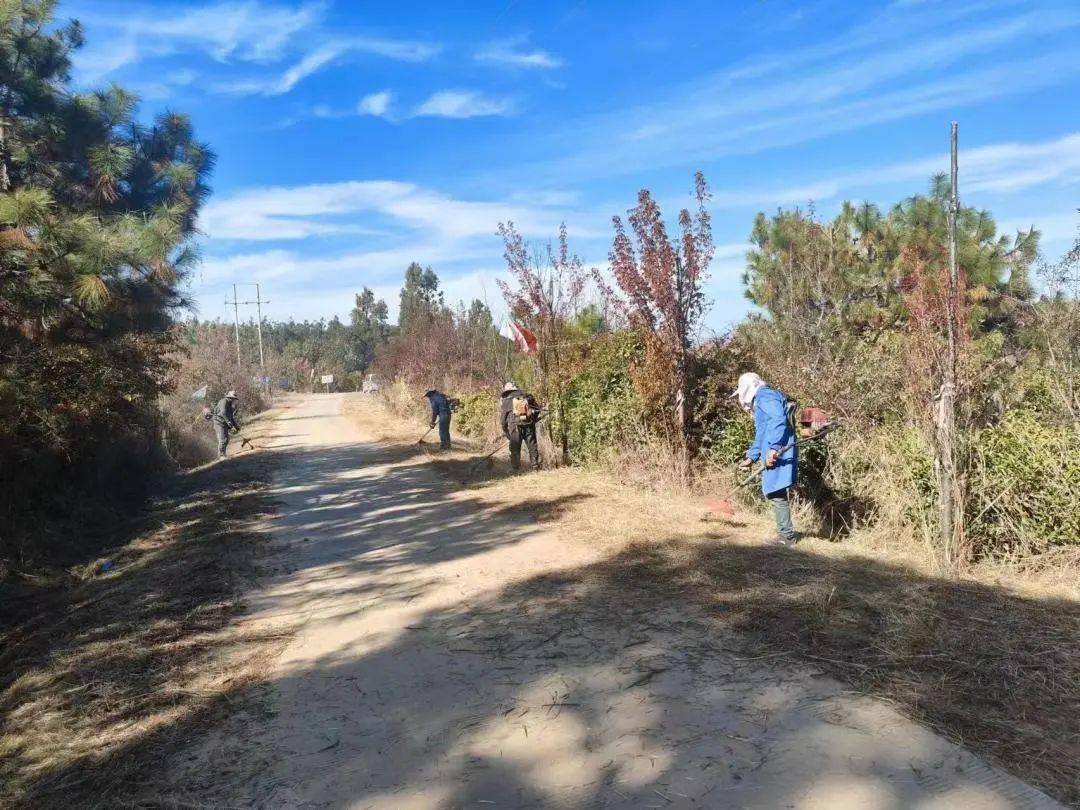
(852, 315)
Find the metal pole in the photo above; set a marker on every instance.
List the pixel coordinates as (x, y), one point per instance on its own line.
(236, 317)
(262, 359)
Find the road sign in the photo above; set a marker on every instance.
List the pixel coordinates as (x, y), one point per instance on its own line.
(327, 379)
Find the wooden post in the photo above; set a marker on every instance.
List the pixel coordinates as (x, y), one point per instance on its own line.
(948, 490)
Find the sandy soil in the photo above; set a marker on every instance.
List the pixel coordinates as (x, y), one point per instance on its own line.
(448, 655)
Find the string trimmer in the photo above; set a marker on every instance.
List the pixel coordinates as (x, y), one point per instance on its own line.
(486, 457)
(819, 434)
(498, 447)
(814, 426)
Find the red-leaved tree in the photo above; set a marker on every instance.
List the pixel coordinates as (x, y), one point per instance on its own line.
(661, 280)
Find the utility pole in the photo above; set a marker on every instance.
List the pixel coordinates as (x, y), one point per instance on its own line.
(946, 415)
(236, 319)
(258, 309)
(258, 302)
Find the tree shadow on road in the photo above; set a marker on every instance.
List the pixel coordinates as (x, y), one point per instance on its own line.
(688, 674)
(134, 647)
(671, 673)
(129, 663)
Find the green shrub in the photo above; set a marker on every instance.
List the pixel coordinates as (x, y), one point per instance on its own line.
(726, 441)
(477, 416)
(1023, 484)
(603, 408)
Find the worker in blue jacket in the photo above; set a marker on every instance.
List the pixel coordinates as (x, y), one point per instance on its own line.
(440, 412)
(774, 445)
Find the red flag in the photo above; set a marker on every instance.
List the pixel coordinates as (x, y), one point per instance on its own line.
(525, 340)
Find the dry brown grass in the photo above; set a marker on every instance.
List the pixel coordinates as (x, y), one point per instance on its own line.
(112, 676)
(991, 660)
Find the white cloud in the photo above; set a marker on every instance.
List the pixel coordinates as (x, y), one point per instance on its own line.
(376, 104)
(283, 213)
(400, 50)
(400, 223)
(164, 88)
(279, 85)
(300, 269)
(280, 213)
(509, 53)
(98, 60)
(322, 57)
(995, 168)
(459, 104)
(462, 104)
(870, 76)
(247, 31)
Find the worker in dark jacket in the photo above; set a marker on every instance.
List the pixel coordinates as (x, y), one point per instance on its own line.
(440, 412)
(225, 420)
(774, 446)
(518, 415)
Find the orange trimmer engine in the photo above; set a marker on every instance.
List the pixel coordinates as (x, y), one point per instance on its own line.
(812, 421)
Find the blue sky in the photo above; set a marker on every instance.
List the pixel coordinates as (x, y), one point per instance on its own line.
(353, 138)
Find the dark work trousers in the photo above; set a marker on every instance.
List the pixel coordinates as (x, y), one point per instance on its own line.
(524, 434)
(444, 431)
(782, 511)
(222, 432)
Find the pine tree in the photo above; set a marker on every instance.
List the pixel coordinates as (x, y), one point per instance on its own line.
(420, 296)
(370, 327)
(97, 212)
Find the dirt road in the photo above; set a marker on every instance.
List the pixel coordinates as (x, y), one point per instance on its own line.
(449, 655)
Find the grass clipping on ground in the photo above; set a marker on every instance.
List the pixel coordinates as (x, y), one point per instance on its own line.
(991, 661)
(118, 673)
